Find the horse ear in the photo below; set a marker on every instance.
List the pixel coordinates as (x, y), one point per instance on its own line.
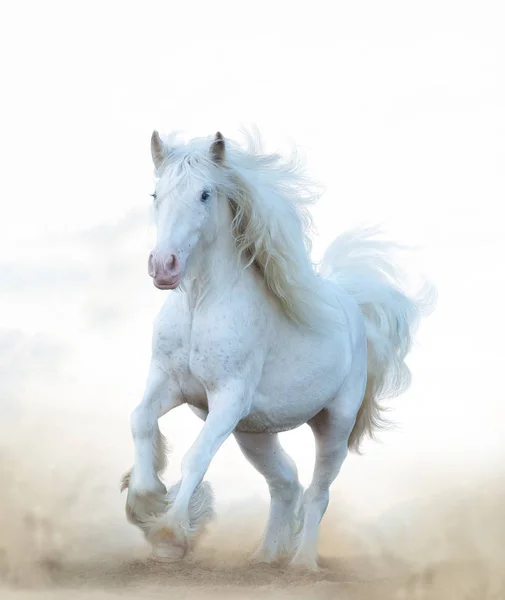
(159, 151)
(217, 148)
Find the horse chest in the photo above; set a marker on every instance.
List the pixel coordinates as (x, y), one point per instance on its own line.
(191, 362)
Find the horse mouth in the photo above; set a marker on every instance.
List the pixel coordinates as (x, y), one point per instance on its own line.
(166, 285)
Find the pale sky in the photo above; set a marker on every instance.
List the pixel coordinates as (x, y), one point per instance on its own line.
(398, 110)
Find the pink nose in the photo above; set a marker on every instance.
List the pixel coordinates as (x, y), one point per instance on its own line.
(166, 273)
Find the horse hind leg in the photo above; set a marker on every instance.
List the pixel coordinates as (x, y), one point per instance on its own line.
(331, 428)
(266, 454)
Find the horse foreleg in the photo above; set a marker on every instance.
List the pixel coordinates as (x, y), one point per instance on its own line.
(175, 532)
(146, 493)
(266, 454)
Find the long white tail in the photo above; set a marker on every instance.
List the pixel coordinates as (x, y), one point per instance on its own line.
(363, 266)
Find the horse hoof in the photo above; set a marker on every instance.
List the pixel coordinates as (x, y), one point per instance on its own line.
(299, 563)
(168, 553)
(166, 545)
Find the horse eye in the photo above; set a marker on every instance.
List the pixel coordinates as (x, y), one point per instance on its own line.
(205, 195)
(154, 196)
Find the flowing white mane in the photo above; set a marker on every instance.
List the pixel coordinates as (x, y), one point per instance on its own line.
(269, 197)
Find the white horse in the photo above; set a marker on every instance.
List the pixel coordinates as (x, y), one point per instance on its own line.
(257, 342)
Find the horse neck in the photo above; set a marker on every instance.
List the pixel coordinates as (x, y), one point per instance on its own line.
(215, 266)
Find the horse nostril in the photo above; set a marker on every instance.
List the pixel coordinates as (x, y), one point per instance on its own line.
(173, 262)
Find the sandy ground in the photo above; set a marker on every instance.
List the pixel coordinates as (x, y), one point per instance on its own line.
(63, 535)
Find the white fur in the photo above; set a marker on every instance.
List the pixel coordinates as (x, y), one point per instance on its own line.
(258, 342)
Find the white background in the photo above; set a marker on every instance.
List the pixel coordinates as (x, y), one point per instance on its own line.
(397, 108)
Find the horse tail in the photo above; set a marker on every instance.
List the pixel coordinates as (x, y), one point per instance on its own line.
(364, 268)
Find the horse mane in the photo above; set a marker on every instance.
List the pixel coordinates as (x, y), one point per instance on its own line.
(269, 197)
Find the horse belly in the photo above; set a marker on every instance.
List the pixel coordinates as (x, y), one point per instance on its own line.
(292, 398)
(274, 421)
(301, 377)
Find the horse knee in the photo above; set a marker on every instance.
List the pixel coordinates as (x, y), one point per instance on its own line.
(142, 423)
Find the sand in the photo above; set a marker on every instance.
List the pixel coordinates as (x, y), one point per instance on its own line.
(63, 535)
